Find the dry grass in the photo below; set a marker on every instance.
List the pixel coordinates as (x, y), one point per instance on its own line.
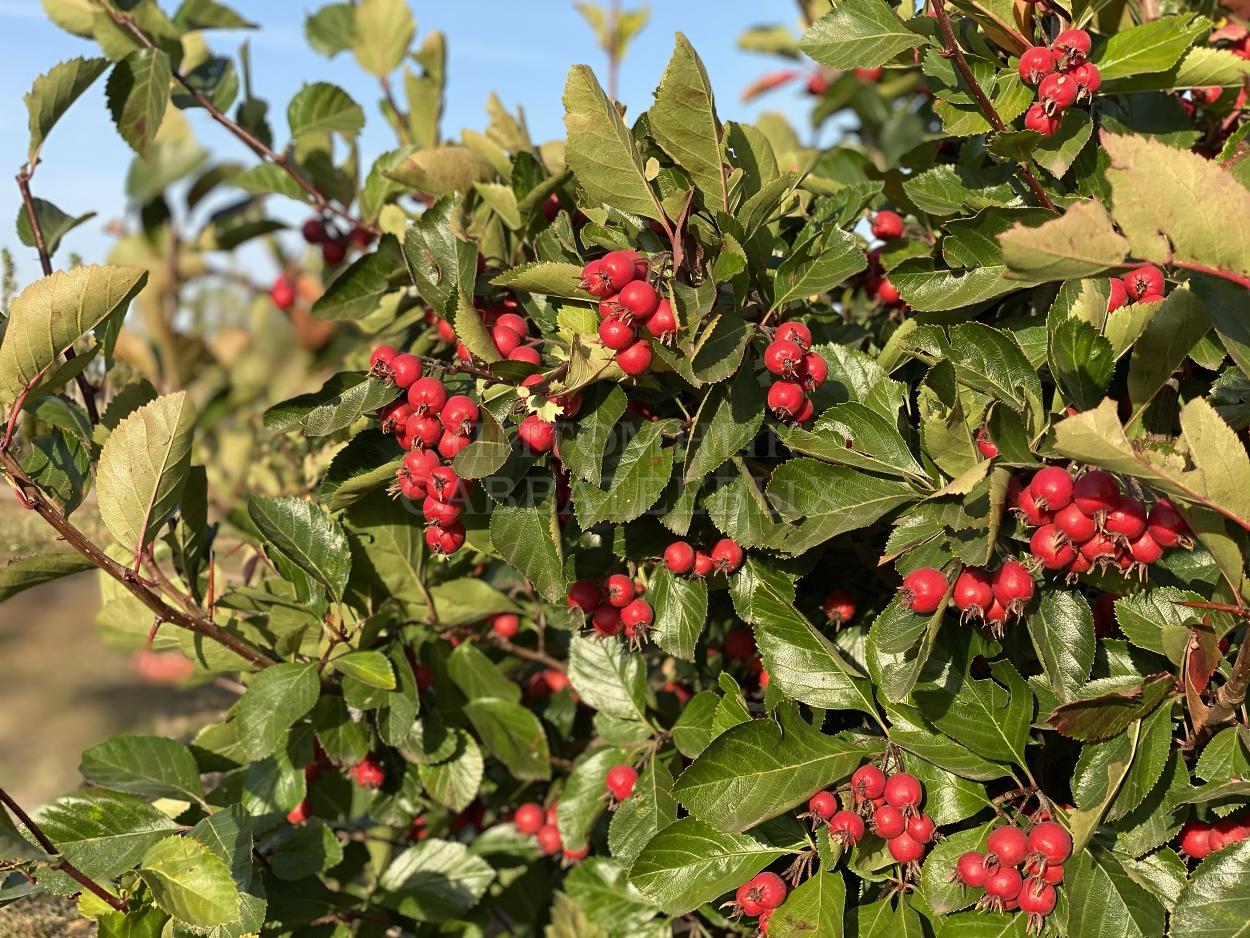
(44, 917)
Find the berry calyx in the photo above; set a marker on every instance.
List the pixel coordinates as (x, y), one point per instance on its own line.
(1013, 586)
(782, 357)
(1050, 547)
(812, 371)
(445, 540)
(427, 396)
(1071, 47)
(1146, 280)
(795, 332)
(923, 589)
(887, 225)
(1057, 93)
(679, 557)
(638, 614)
(596, 281)
(769, 890)
(459, 414)
(620, 781)
(1038, 119)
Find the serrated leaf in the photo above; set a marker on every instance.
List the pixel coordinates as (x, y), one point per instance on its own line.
(1082, 362)
(368, 667)
(454, 782)
(1106, 707)
(442, 170)
(858, 34)
(276, 698)
(1216, 902)
(1080, 243)
(512, 734)
(635, 483)
(524, 536)
(103, 833)
(305, 534)
(190, 882)
(138, 95)
(24, 573)
(267, 179)
(583, 799)
(322, 108)
(853, 434)
(54, 91)
(1062, 630)
(649, 809)
(680, 612)
(683, 121)
(1150, 47)
(143, 468)
(548, 278)
(1103, 899)
(435, 881)
(339, 403)
(992, 716)
(1174, 328)
(727, 421)
(608, 677)
(818, 265)
(53, 223)
(381, 31)
(151, 766)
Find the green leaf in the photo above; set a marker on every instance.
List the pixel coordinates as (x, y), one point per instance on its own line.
(51, 314)
(942, 891)
(818, 265)
(608, 677)
(27, 572)
(1082, 362)
(151, 766)
(856, 435)
(302, 531)
(1216, 902)
(54, 224)
(54, 91)
(1151, 47)
(441, 171)
(991, 716)
(359, 291)
(329, 30)
(1104, 900)
(728, 419)
(858, 34)
(1154, 619)
(435, 881)
(438, 260)
(757, 770)
(683, 121)
(694, 730)
(190, 882)
(690, 862)
(815, 907)
(525, 536)
(601, 151)
(636, 482)
(143, 468)
(1062, 630)
(583, 441)
(991, 360)
(1080, 243)
(547, 278)
(322, 108)
(208, 14)
(584, 797)
(368, 667)
(644, 813)
(680, 606)
(513, 735)
(304, 850)
(277, 697)
(602, 890)
(1105, 707)
(138, 94)
(103, 833)
(1172, 331)
(455, 781)
(381, 31)
(342, 401)
(269, 178)
(801, 662)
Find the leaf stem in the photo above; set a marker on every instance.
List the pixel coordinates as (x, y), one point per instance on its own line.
(64, 865)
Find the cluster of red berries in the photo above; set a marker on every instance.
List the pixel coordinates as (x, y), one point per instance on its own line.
(846, 827)
(1018, 870)
(431, 427)
(540, 823)
(368, 773)
(759, 896)
(1144, 284)
(613, 607)
(620, 282)
(1198, 839)
(887, 226)
(1063, 78)
(892, 805)
(724, 557)
(334, 243)
(978, 594)
(799, 372)
(1087, 522)
(620, 781)
(509, 332)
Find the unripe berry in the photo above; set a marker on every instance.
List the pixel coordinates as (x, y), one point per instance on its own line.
(903, 790)
(839, 607)
(795, 332)
(1051, 488)
(973, 592)
(846, 827)
(1050, 547)
(1071, 47)
(785, 399)
(537, 434)
(782, 357)
(635, 359)
(616, 334)
(620, 781)
(1146, 280)
(679, 557)
(1036, 118)
(1035, 64)
(887, 225)
(638, 299)
(824, 805)
(727, 556)
(585, 595)
(1007, 845)
(923, 590)
(505, 624)
(427, 396)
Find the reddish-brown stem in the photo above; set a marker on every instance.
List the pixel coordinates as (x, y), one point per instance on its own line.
(1238, 279)
(523, 652)
(37, 501)
(64, 865)
(986, 106)
(248, 139)
(45, 262)
(11, 426)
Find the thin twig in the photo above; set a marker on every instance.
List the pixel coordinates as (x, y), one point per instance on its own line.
(986, 106)
(522, 652)
(64, 865)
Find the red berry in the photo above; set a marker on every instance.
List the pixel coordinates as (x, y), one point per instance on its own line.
(606, 621)
(549, 840)
(445, 540)
(361, 237)
(1035, 64)
(1057, 92)
(405, 370)
(1007, 845)
(1013, 586)
(333, 252)
(381, 359)
(444, 484)
(747, 899)
(824, 805)
(887, 225)
(813, 371)
(920, 828)
(300, 813)
(903, 790)
(887, 292)
(782, 357)
(970, 869)
(368, 772)
(1146, 280)
(739, 644)
(620, 781)
(1096, 493)
(973, 591)
(923, 590)
(1029, 511)
(427, 396)
(795, 332)
(638, 299)
(620, 590)
(616, 334)
(663, 322)
(527, 354)
(1076, 526)
(619, 267)
(1166, 526)
(1127, 519)
(537, 434)
(283, 292)
(905, 849)
(1036, 118)
(1098, 547)
(771, 889)
(785, 399)
(423, 431)
(595, 280)
(1072, 47)
(439, 513)
(637, 613)
(995, 615)
(314, 231)
(505, 624)
(445, 331)
(1119, 295)
(506, 340)
(867, 782)
(1088, 80)
(702, 563)
(1195, 839)
(1051, 841)
(585, 595)
(846, 827)
(839, 607)
(449, 444)
(1050, 547)
(394, 417)
(727, 556)
(514, 322)
(985, 443)
(1145, 550)
(635, 359)
(1003, 883)
(679, 557)
(1053, 875)
(459, 414)
(1051, 488)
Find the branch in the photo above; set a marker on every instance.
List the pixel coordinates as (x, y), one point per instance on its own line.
(246, 137)
(1233, 694)
(953, 52)
(522, 652)
(45, 261)
(64, 865)
(1214, 272)
(33, 497)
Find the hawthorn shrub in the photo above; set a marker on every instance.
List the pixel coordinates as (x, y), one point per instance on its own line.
(700, 533)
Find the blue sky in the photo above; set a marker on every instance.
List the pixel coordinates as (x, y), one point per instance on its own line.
(520, 50)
